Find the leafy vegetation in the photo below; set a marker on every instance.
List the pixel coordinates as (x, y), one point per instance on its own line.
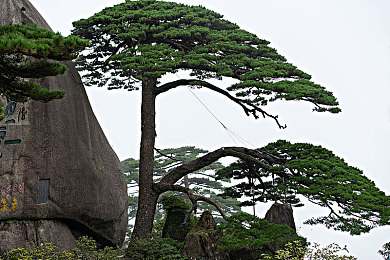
(134, 45)
(295, 250)
(356, 205)
(26, 53)
(255, 235)
(166, 248)
(147, 39)
(46, 251)
(154, 249)
(86, 249)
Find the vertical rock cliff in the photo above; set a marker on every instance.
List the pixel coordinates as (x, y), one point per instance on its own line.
(56, 165)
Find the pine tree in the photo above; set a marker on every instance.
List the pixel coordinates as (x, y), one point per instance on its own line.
(136, 43)
(27, 53)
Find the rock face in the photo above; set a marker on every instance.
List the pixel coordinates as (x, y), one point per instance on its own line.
(281, 214)
(56, 164)
(203, 241)
(32, 233)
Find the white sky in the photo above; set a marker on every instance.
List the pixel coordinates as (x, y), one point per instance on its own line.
(343, 44)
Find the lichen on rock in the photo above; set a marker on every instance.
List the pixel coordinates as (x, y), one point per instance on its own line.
(176, 210)
(203, 241)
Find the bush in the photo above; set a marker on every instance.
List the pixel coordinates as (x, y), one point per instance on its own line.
(244, 231)
(154, 249)
(295, 250)
(86, 249)
(46, 251)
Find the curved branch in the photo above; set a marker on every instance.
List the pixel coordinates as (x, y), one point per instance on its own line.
(249, 109)
(259, 158)
(165, 155)
(163, 187)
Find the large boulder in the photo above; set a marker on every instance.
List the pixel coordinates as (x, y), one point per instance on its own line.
(56, 163)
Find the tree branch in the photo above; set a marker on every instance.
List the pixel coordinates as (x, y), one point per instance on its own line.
(249, 109)
(163, 187)
(114, 52)
(165, 155)
(259, 158)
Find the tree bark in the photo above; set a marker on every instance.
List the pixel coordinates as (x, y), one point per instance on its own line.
(147, 196)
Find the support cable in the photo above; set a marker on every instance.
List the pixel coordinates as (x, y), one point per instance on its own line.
(230, 132)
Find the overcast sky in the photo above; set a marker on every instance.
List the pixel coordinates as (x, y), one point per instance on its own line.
(343, 44)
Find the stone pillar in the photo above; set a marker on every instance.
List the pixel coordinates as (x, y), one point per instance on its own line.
(281, 214)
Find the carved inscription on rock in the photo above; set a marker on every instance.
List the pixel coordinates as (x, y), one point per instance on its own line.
(14, 114)
(10, 195)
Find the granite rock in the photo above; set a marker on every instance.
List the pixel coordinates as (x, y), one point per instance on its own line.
(28, 234)
(55, 161)
(203, 241)
(281, 214)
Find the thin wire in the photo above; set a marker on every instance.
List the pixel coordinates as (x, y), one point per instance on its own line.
(206, 108)
(241, 139)
(229, 131)
(216, 118)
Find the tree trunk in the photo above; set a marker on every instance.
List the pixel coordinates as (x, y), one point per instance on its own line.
(147, 197)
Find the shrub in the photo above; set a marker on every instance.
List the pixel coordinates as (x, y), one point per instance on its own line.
(86, 249)
(46, 251)
(295, 250)
(154, 249)
(244, 231)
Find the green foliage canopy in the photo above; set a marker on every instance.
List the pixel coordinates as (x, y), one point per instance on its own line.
(27, 53)
(154, 249)
(146, 39)
(356, 205)
(243, 230)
